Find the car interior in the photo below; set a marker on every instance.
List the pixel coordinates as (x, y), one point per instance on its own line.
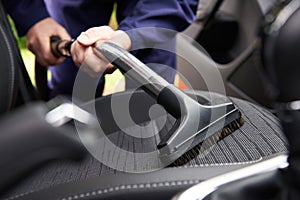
(42, 155)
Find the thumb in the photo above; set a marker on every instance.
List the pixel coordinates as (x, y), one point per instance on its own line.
(94, 34)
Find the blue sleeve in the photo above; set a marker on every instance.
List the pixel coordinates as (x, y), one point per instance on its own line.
(175, 15)
(25, 13)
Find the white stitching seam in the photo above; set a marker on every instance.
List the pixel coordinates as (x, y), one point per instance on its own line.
(131, 187)
(194, 166)
(19, 195)
(120, 187)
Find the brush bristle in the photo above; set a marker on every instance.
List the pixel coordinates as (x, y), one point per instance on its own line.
(207, 143)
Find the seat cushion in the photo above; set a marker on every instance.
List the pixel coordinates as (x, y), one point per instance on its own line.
(258, 139)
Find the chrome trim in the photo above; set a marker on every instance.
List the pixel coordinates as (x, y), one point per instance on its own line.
(68, 111)
(289, 106)
(284, 15)
(203, 189)
(294, 105)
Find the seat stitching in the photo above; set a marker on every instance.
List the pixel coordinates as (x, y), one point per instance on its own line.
(194, 166)
(131, 187)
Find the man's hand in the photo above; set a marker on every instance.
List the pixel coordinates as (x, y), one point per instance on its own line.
(88, 58)
(38, 40)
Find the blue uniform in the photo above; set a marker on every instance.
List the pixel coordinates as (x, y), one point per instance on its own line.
(25, 13)
(79, 15)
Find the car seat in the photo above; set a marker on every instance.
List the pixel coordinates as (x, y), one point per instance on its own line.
(234, 51)
(259, 139)
(16, 88)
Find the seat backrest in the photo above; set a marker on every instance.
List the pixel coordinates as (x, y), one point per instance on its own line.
(8, 89)
(234, 51)
(15, 85)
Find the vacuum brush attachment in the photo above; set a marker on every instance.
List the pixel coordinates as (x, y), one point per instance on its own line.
(195, 122)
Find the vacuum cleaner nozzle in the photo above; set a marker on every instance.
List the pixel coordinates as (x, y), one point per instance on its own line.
(195, 124)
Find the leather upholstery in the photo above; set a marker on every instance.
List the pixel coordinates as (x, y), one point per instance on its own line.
(8, 65)
(258, 139)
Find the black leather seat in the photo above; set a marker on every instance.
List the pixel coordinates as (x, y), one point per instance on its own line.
(258, 139)
(16, 88)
